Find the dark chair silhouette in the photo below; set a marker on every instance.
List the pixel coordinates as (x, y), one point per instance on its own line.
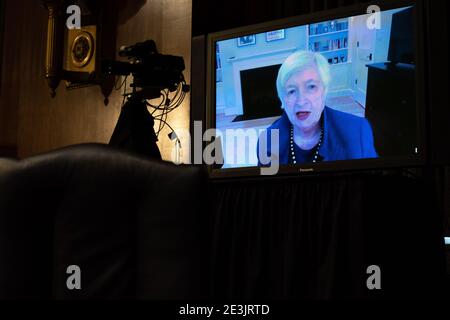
(135, 227)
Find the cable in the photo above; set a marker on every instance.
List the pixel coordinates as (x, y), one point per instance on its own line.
(168, 125)
(167, 105)
(117, 80)
(161, 126)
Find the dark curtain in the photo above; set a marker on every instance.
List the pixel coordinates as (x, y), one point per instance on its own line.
(212, 16)
(446, 201)
(314, 237)
(442, 180)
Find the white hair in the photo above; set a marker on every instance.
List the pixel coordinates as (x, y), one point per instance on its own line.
(299, 61)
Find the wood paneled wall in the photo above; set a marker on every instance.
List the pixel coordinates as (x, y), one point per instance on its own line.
(34, 122)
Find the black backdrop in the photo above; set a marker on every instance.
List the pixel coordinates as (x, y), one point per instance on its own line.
(313, 237)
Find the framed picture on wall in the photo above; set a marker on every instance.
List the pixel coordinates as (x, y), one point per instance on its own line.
(275, 35)
(246, 40)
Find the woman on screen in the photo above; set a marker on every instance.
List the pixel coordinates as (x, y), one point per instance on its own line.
(309, 131)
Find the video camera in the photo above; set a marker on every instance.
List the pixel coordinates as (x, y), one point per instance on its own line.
(151, 71)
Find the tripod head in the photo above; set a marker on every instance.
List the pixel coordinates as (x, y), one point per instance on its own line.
(152, 72)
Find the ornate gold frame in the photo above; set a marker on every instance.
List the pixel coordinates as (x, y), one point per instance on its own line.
(88, 37)
(98, 28)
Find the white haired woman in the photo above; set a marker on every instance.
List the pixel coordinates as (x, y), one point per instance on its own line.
(309, 131)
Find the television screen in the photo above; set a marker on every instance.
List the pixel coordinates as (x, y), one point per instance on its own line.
(299, 94)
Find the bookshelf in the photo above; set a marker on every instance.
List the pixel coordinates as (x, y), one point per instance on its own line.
(330, 38)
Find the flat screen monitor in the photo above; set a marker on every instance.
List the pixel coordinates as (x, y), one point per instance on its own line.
(338, 90)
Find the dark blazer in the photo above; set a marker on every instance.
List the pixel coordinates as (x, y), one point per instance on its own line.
(345, 137)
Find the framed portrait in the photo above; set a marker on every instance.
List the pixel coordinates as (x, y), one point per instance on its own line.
(275, 35)
(246, 40)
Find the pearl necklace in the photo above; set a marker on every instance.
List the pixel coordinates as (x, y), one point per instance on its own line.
(316, 152)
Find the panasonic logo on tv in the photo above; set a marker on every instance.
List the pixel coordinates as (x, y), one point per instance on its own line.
(307, 170)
